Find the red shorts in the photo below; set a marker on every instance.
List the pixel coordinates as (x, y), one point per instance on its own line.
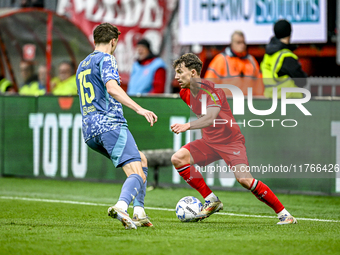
(204, 153)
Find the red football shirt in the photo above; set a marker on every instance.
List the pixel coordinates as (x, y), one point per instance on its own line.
(226, 130)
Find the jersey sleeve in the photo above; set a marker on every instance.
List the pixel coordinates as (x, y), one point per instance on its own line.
(109, 69)
(185, 95)
(213, 99)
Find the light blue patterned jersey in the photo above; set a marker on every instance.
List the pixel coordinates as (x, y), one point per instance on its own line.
(101, 112)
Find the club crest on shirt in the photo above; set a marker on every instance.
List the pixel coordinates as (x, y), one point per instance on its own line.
(215, 96)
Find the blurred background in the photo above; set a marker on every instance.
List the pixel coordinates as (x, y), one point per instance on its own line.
(172, 28)
(43, 41)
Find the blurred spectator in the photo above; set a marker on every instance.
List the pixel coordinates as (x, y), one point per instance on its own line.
(42, 77)
(235, 63)
(148, 74)
(27, 72)
(30, 85)
(280, 66)
(6, 86)
(65, 83)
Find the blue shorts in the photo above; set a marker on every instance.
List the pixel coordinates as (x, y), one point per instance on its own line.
(117, 145)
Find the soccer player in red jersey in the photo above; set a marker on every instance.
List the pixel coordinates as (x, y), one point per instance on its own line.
(218, 141)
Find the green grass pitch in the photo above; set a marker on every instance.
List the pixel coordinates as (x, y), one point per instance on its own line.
(70, 217)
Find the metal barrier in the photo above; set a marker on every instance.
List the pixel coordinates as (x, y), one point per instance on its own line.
(325, 86)
(156, 159)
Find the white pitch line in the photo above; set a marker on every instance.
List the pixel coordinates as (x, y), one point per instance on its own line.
(148, 208)
(52, 201)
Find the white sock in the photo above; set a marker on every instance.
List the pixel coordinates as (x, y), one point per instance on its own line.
(283, 212)
(211, 197)
(122, 205)
(139, 211)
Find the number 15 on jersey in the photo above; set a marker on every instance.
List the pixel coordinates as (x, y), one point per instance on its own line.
(88, 97)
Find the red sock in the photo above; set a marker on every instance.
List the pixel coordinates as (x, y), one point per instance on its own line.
(195, 179)
(264, 194)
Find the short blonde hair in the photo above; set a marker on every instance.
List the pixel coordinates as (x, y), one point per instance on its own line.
(237, 32)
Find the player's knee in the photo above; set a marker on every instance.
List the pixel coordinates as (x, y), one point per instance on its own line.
(143, 176)
(177, 160)
(143, 159)
(180, 158)
(245, 182)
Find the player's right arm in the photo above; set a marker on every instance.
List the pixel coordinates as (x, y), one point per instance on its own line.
(203, 122)
(119, 94)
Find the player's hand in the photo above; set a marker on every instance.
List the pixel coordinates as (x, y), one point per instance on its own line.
(149, 115)
(180, 128)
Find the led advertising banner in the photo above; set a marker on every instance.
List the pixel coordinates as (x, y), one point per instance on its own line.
(213, 21)
(40, 137)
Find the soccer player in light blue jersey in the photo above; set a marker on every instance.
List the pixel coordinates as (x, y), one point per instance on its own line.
(105, 128)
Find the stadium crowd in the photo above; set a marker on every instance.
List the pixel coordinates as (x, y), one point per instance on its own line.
(279, 68)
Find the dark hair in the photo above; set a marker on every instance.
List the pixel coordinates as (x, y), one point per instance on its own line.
(70, 64)
(191, 61)
(282, 28)
(144, 42)
(30, 65)
(104, 33)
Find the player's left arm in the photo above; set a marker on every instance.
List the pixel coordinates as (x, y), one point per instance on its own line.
(120, 95)
(111, 79)
(205, 121)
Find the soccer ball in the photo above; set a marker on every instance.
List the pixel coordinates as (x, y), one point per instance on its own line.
(187, 208)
